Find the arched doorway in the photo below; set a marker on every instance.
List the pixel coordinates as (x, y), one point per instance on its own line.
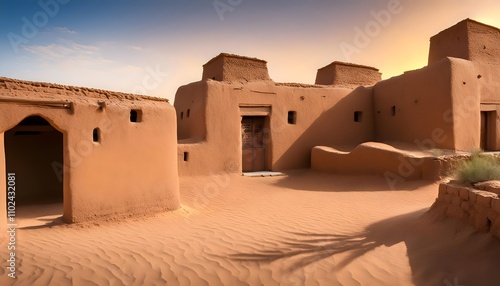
(32, 149)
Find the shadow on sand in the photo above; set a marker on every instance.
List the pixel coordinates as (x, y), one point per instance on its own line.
(38, 216)
(44, 223)
(440, 251)
(325, 182)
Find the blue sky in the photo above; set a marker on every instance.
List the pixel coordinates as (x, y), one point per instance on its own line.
(152, 47)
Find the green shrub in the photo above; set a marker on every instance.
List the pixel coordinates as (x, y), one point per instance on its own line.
(478, 168)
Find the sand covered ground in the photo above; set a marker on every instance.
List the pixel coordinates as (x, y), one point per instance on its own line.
(303, 229)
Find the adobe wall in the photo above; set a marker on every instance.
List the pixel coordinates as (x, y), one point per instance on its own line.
(469, 40)
(338, 73)
(481, 209)
(190, 106)
(415, 108)
(466, 116)
(325, 116)
(487, 77)
(228, 67)
(131, 171)
(373, 158)
(484, 43)
(452, 42)
(436, 107)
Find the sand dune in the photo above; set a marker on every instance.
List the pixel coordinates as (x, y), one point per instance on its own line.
(305, 229)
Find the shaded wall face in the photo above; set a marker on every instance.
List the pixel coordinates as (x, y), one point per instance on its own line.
(452, 42)
(487, 77)
(190, 108)
(484, 44)
(326, 75)
(469, 41)
(416, 108)
(327, 117)
(35, 157)
(466, 113)
(213, 70)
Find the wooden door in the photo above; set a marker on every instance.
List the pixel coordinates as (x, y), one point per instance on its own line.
(253, 147)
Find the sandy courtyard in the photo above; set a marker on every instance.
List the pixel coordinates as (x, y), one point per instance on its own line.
(303, 229)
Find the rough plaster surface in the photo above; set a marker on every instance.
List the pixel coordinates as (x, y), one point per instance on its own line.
(132, 170)
(338, 73)
(469, 40)
(375, 158)
(228, 67)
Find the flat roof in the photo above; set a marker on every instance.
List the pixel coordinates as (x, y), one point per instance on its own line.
(227, 55)
(468, 20)
(350, 65)
(20, 85)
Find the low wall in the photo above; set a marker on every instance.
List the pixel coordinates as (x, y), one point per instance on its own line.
(479, 208)
(374, 158)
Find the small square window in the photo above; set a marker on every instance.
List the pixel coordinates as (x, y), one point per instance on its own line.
(186, 156)
(135, 115)
(292, 117)
(358, 116)
(96, 135)
(188, 113)
(182, 115)
(393, 110)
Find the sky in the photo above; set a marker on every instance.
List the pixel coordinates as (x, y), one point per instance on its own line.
(152, 47)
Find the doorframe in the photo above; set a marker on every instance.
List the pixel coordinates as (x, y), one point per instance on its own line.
(490, 117)
(67, 214)
(259, 110)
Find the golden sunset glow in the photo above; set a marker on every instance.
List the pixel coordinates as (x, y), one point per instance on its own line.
(119, 47)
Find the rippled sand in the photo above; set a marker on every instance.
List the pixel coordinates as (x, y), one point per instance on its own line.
(304, 229)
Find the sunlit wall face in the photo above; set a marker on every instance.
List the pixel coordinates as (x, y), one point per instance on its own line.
(152, 47)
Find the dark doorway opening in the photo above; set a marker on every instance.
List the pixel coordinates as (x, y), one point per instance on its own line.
(34, 152)
(488, 126)
(253, 145)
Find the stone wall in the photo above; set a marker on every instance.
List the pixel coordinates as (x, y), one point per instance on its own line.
(479, 208)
